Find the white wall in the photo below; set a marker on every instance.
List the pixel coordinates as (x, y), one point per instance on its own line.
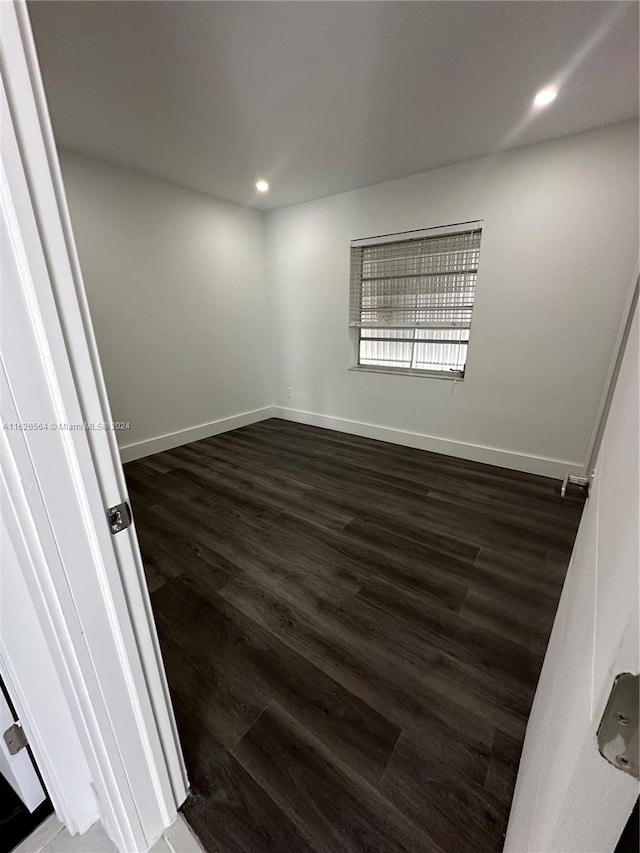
(175, 283)
(558, 251)
(176, 286)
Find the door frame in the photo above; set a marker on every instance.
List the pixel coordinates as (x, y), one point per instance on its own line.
(63, 326)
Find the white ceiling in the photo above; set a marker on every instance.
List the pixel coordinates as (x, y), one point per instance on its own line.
(321, 97)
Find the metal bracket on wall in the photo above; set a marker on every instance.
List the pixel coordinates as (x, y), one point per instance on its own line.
(618, 730)
(574, 480)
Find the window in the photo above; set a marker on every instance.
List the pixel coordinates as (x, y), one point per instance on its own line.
(412, 299)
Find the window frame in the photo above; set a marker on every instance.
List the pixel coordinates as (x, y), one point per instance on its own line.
(356, 328)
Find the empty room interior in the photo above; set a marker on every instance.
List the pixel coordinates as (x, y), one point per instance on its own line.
(362, 282)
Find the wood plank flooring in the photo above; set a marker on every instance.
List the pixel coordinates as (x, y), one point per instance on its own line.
(352, 633)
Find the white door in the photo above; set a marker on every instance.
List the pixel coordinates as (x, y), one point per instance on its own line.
(568, 799)
(18, 769)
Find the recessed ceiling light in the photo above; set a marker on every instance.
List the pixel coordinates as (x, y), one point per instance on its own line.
(545, 97)
(262, 186)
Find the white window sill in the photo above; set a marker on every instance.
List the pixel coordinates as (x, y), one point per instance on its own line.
(407, 371)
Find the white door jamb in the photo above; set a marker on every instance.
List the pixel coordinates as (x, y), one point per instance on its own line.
(115, 684)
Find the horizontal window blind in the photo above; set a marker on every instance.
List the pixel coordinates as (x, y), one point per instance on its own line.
(412, 300)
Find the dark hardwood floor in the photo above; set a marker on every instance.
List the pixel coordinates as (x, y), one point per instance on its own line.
(352, 632)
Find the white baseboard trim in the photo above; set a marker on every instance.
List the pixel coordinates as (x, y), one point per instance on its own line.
(531, 464)
(555, 468)
(129, 452)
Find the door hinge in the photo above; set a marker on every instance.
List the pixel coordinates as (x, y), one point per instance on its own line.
(15, 739)
(119, 517)
(618, 730)
(574, 480)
